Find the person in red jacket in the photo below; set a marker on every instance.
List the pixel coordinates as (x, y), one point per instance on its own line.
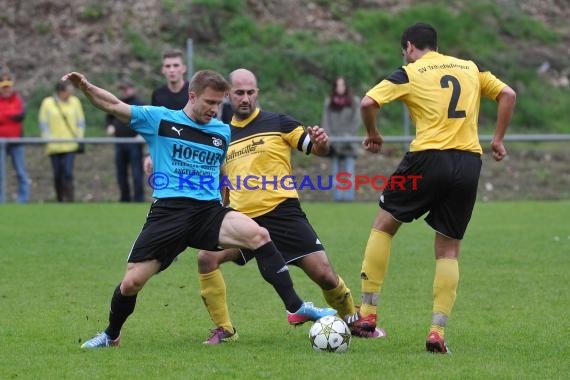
(12, 112)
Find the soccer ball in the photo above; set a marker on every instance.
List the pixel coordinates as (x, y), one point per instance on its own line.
(330, 334)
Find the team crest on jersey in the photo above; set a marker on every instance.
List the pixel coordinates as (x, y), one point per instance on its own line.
(217, 142)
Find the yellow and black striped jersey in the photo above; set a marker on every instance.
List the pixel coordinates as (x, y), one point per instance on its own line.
(443, 95)
(258, 162)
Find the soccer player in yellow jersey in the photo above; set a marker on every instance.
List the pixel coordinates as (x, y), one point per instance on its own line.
(260, 150)
(442, 94)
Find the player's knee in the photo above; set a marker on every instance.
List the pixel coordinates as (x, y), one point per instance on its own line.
(130, 286)
(320, 271)
(262, 237)
(327, 279)
(207, 261)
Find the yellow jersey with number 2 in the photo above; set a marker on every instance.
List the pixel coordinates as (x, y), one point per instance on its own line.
(443, 95)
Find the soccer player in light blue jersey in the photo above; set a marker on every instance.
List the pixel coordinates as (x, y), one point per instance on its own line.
(186, 146)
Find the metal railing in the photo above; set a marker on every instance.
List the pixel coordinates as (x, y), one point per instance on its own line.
(4, 142)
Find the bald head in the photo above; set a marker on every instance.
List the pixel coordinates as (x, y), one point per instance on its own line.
(241, 77)
(243, 93)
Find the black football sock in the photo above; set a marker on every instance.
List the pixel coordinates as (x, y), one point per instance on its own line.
(121, 307)
(274, 270)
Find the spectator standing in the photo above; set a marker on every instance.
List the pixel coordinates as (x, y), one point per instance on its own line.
(127, 155)
(173, 94)
(12, 112)
(61, 117)
(341, 118)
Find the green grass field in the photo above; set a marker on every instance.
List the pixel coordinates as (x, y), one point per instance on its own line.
(60, 263)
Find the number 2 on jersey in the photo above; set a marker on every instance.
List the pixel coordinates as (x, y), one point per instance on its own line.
(452, 111)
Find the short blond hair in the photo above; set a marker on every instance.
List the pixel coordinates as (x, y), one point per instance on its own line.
(208, 78)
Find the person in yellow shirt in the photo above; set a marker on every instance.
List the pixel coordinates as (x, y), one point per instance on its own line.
(442, 94)
(61, 117)
(260, 152)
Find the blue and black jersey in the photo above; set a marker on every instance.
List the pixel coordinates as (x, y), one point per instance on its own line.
(186, 155)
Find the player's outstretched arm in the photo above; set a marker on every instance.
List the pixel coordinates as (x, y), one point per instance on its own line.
(99, 97)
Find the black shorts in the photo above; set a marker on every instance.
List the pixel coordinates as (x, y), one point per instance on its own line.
(173, 224)
(447, 189)
(290, 230)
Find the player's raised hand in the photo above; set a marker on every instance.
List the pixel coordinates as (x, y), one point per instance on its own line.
(77, 79)
(100, 97)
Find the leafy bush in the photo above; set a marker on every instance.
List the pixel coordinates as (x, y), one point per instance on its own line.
(294, 67)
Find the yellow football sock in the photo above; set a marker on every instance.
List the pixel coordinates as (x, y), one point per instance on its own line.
(213, 292)
(340, 298)
(374, 267)
(438, 329)
(444, 292)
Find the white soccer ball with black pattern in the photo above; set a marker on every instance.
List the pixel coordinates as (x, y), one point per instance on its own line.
(330, 334)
